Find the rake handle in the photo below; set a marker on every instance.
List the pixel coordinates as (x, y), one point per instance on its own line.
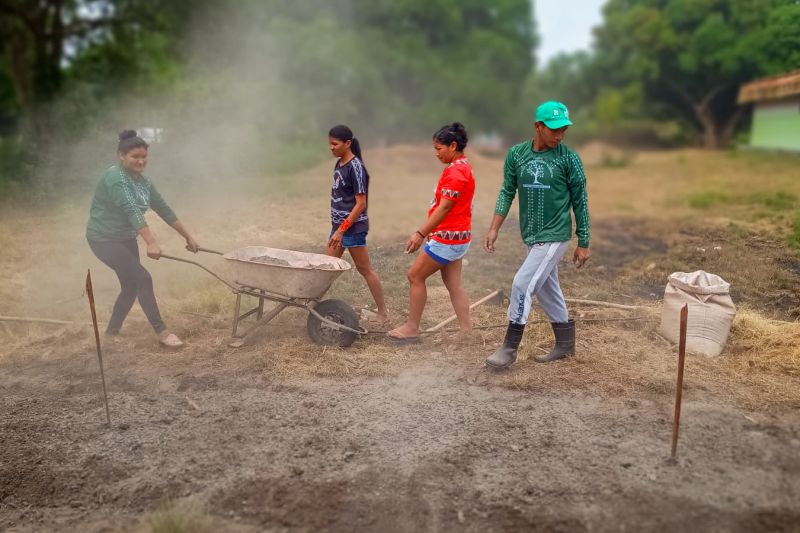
(443, 323)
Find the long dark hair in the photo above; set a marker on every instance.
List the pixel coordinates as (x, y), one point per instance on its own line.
(128, 140)
(344, 134)
(455, 132)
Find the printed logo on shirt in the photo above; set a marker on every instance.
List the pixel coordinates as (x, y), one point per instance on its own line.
(337, 179)
(539, 171)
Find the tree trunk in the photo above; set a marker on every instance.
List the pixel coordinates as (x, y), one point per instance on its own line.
(703, 112)
(48, 37)
(711, 137)
(19, 68)
(730, 126)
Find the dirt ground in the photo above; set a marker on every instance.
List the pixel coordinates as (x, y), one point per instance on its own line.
(285, 435)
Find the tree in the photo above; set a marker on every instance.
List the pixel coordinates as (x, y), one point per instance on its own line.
(691, 56)
(567, 77)
(41, 40)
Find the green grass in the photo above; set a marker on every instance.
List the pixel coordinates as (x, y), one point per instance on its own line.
(772, 200)
(704, 200)
(778, 201)
(794, 232)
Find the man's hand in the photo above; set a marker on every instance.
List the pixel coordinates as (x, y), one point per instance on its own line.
(153, 250)
(488, 242)
(580, 256)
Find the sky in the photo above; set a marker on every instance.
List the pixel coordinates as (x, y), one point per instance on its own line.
(565, 25)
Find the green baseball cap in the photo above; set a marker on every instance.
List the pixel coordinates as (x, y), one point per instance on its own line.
(554, 115)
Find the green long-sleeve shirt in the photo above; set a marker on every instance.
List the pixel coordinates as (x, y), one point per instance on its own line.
(119, 204)
(550, 183)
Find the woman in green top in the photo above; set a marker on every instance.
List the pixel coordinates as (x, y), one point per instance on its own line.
(116, 218)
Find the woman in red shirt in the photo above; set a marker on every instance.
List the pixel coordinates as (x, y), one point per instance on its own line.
(447, 232)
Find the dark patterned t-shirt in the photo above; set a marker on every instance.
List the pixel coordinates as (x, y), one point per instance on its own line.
(349, 180)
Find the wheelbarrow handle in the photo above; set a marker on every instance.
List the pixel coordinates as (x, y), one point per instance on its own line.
(209, 251)
(195, 263)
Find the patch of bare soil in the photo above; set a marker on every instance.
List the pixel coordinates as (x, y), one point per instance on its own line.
(633, 257)
(440, 445)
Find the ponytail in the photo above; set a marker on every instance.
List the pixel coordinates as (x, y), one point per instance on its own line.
(344, 134)
(355, 146)
(452, 133)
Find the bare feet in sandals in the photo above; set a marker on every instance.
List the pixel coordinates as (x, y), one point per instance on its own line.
(169, 340)
(404, 334)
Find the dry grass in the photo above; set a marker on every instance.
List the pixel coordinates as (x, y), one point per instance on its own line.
(644, 228)
(757, 370)
(619, 353)
(173, 517)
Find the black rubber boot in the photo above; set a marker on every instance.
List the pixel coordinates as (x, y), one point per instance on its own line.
(505, 356)
(565, 342)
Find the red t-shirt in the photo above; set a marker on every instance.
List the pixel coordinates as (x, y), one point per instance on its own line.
(456, 183)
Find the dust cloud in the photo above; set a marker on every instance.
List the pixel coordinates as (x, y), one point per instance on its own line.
(219, 158)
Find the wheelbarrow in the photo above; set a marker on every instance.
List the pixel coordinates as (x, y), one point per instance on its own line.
(290, 279)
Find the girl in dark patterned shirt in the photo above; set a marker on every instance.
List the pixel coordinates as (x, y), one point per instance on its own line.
(349, 220)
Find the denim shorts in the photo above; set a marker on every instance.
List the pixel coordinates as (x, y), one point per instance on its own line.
(444, 254)
(353, 240)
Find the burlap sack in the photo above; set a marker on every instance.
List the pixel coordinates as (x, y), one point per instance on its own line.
(711, 311)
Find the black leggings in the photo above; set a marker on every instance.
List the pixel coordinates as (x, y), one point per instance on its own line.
(134, 280)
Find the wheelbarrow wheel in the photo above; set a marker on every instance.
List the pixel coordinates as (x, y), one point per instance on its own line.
(335, 311)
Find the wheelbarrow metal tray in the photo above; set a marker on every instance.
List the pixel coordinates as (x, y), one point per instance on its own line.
(284, 272)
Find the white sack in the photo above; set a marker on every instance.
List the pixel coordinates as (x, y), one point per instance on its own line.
(711, 311)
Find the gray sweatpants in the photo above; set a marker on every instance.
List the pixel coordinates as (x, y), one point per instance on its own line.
(538, 276)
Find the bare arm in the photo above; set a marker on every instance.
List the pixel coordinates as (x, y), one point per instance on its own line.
(416, 239)
(361, 204)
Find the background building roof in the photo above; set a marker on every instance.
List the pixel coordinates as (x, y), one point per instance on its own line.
(772, 88)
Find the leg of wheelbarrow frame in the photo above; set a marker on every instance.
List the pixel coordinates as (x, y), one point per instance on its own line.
(239, 341)
(236, 309)
(260, 306)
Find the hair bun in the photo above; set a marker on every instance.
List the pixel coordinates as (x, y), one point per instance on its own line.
(127, 134)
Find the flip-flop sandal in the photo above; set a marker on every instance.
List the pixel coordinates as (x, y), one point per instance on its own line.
(403, 340)
(171, 341)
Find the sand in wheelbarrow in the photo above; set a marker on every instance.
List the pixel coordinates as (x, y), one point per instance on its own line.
(269, 260)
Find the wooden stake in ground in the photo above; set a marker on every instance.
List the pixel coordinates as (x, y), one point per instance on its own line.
(676, 422)
(90, 294)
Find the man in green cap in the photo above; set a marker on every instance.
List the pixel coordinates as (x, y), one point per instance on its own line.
(551, 184)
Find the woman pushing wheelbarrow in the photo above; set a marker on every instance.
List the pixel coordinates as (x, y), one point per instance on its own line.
(116, 218)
